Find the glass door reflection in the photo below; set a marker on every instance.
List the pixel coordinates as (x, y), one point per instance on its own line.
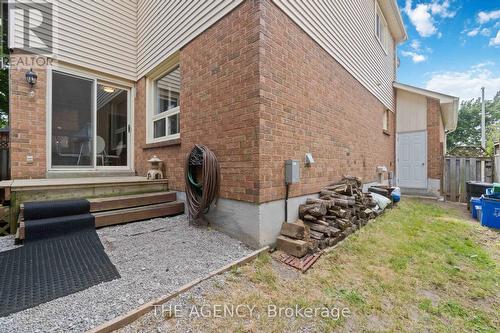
(112, 126)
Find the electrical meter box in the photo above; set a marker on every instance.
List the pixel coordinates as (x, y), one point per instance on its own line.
(292, 171)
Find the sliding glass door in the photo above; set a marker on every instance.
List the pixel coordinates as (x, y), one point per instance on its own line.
(112, 126)
(72, 121)
(89, 124)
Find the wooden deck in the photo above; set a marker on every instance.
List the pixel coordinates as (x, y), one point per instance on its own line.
(123, 209)
(45, 184)
(129, 201)
(17, 191)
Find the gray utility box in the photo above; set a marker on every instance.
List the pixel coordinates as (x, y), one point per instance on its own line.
(292, 171)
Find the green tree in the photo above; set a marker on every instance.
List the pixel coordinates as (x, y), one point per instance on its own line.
(493, 129)
(468, 132)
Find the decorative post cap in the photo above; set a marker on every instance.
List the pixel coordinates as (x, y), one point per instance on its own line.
(154, 159)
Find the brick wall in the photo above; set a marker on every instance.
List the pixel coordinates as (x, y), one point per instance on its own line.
(434, 139)
(27, 124)
(311, 104)
(219, 105)
(257, 90)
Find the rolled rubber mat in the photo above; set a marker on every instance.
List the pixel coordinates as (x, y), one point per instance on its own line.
(46, 209)
(61, 255)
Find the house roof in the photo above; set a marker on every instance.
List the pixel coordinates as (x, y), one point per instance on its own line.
(394, 20)
(449, 104)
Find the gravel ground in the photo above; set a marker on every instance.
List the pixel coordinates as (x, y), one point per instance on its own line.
(157, 321)
(153, 258)
(160, 320)
(7, 243)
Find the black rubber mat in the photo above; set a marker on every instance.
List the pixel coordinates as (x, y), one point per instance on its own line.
(47, 209)
(61, 255)
(57, 227)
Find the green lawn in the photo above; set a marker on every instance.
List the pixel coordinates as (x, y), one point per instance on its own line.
(422, 266)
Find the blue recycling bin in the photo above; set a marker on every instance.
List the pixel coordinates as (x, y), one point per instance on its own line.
(490, 215)
(474, 202)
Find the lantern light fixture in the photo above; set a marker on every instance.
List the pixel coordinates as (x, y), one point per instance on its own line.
(31, 77)
(109, 90)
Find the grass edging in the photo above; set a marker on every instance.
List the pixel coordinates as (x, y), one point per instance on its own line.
(131, 316)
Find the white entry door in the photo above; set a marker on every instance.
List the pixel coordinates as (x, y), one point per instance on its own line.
(412, 159)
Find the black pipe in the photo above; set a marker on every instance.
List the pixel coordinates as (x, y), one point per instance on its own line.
(286, 201)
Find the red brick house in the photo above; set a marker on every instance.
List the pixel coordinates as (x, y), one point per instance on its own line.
(257, 81)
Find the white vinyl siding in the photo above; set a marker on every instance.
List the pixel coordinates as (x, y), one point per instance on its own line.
(344, 28)
(98, 35)
(412, 112)
(127, 38)
(131, 38)
(166, 26)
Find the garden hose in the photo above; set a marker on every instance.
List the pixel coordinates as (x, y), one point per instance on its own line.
(201, 194)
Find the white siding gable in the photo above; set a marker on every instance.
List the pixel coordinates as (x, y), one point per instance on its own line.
(346, 30)
(130, 38)
(412, 112)
(95, 34)
(166, 26)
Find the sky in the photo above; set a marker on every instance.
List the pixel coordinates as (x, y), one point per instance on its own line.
(453, 46)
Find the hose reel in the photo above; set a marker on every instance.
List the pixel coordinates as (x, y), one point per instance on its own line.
(202, 176)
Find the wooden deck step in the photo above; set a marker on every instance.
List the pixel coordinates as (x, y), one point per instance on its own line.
(129, 201)
(119, 216)
(26, 190)
(123, 209)
(124, 201)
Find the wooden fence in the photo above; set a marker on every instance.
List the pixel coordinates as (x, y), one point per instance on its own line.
(496, 167)
(4, 174)
(459, 170)
(4, 160)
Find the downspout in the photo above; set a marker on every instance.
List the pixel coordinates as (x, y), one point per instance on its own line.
(287, 189)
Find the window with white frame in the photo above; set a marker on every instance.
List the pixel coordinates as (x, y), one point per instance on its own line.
(165, 117)
(381, 30)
